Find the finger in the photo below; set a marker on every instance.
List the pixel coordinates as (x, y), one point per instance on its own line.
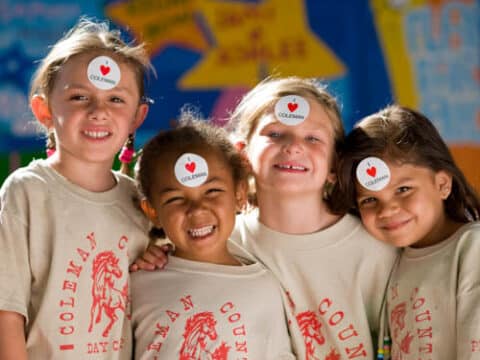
(133, 268)
(144, 265)
(158, 260)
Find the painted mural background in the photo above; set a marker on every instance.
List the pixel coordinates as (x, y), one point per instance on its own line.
(207, 53)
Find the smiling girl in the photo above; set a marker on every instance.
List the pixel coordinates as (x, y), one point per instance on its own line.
(68, 226)
(398, 174)
(206, 303)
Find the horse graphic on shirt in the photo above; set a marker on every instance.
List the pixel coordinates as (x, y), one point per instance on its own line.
(310, 327)
(199, 333)
(106, 297)
(402, 338)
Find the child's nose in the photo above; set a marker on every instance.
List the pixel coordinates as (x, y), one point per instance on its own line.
(388, 209)
(98, 110)
(292, 145)
(195, 207)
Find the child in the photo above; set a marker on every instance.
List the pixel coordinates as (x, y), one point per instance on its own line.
(68, 227)
(207, 303)
(332, 271)
(397, 172)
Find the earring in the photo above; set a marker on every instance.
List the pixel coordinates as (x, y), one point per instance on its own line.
(126, 155)
(50, 147)
(327, 189)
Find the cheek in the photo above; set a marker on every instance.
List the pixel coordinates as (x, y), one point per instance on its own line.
(368, 218)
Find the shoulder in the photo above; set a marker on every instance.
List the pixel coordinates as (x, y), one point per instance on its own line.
(35, 172)
(468, 236)
(358, 237)
(125, 181)
(25, 184)
(128, 191)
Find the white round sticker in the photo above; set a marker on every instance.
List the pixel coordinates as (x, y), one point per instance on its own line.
(103, 72)
(373, 174)
(191, 170)
(292, 109)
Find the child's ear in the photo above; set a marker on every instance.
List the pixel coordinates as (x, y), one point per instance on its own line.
(140, 116)
(241, 194)
(41, 111)
(443, 181)
(150, 212)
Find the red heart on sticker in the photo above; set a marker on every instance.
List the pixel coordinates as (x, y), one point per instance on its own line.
(104, 69)
(372, 171)
(292, 107)
(190, 166)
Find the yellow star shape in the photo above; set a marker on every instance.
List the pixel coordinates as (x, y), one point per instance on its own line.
(161, 23)
(256, 40)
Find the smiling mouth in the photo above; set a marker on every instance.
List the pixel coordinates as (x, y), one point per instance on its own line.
(96, 134)
(395, 225)
(201, 232)
(291, 167)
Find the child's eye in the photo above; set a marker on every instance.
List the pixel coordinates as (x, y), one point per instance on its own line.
(312, 139)
(78, 97)
(369, 201)
(116, 99)
(172, 200)
(273, 134)
(213, 191)
(403, 189)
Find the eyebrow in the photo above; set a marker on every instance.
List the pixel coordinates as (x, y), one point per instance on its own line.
(364, 191)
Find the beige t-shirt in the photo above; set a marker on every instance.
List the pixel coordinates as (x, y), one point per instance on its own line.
(196, 310)
(434, 299)
(334, 281)
(64, 263)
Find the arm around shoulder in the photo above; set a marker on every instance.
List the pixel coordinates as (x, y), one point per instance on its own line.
(12, 336)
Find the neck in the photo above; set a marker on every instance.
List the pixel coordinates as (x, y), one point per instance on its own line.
(444, 228)
(294, 214)
(95, 177)
(224, 258)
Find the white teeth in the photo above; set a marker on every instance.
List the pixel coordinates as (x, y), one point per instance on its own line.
(201, 231)
(96, 134)
(292, 167)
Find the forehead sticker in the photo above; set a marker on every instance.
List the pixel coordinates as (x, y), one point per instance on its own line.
(292, 109)
(191, 170)
(103, 72)
(373, 174)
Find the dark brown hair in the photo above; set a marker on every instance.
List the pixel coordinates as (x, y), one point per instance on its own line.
(189, 134)
(403, 135)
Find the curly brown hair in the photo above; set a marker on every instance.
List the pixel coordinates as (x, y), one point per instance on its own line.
(190, 133)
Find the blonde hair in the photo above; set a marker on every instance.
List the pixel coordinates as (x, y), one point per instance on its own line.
(262, 98)
(89, 36)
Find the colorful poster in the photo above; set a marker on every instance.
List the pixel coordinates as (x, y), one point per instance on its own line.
(208, 53)
(432, 49)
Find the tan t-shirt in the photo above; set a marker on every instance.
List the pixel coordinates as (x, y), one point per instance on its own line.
(434, 299)
(334, 281)
(195, 310)
(64, 263)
